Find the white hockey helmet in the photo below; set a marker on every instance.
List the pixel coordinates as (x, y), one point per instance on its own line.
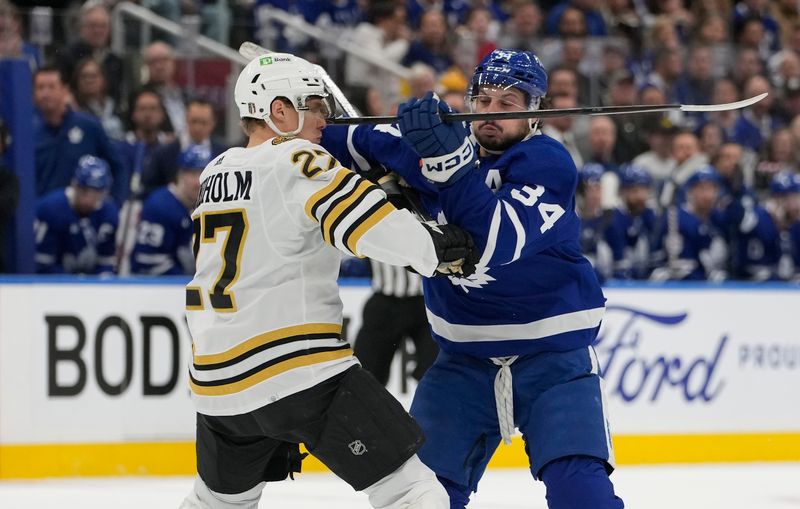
(275, 75)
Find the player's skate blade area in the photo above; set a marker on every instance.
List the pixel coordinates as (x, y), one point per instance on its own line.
(749, 486)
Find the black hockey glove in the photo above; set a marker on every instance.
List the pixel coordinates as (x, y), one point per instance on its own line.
(454, 249)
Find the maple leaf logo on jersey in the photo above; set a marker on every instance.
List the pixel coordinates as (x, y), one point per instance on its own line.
(481, 276)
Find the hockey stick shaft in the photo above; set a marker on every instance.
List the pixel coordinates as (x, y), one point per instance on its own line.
(593, 110)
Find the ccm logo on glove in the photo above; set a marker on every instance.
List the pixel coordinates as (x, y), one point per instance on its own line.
(450, 162)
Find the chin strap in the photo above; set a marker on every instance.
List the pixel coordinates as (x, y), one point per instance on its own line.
(271, 124)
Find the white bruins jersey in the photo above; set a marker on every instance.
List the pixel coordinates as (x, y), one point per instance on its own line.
(263, 308)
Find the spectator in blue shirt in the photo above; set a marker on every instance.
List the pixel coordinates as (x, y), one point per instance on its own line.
(76, 226)
(62, 136)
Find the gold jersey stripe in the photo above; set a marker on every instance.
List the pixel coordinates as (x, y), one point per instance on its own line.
(324, 193)
(267, 337)
(366, 224)
(274, 370)
(361, 189)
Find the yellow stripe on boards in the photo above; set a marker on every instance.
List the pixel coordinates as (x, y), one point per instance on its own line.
(178, 458)
(70, 460)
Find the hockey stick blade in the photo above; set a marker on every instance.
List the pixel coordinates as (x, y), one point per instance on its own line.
(593, 110)
(724, 107)
(251, 50)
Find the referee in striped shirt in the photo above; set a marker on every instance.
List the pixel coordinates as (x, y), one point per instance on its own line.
(394, 312)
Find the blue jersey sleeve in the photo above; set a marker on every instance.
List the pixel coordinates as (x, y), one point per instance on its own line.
(616, 241)
(106, 238)
(156, 239)
(533, 210)
(363, 147)
(49, 233)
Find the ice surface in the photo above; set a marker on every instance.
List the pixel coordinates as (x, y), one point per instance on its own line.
(737, 486)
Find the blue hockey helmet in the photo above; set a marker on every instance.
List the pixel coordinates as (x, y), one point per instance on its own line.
(591, 173)
(785, 182)
(634, 175)
(93, 173)
(195, 157)
(705, 174)
(506, 68)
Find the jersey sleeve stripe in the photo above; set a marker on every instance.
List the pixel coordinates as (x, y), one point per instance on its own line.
(359, 228)
(353, 214)
(331, 329)
(338, 209)
(268, 370)
(338, 183)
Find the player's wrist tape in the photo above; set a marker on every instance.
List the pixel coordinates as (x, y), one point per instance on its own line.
(441, 169)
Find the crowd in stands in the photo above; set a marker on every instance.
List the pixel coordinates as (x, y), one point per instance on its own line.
(662, 196)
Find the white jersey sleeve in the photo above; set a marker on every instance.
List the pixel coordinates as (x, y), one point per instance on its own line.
(354, 215)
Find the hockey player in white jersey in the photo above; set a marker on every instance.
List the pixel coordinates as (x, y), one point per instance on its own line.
(270, 369)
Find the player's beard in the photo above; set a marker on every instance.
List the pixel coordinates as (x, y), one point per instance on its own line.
(498, 142)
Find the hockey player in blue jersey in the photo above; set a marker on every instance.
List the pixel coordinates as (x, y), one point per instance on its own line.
(690, 244)
(785, 209)
(515, 337)
(750, 232)
(164, 236)
(594, 220)
(75, 226)
(633, 225)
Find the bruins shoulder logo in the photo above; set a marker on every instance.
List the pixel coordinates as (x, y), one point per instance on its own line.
(280, 139)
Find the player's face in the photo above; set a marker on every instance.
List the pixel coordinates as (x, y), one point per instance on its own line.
(791, 205)
(704, 196)
(500, 134)
(635, 197)
(593, 195)
(314, 119)
(87, 200)
(189, 183)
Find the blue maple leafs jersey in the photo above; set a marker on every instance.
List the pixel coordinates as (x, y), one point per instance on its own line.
(69, 243)
(164, 236)
(756, 244)
(594, 246)
(698, 243)
(630, 238)
(533, 290)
